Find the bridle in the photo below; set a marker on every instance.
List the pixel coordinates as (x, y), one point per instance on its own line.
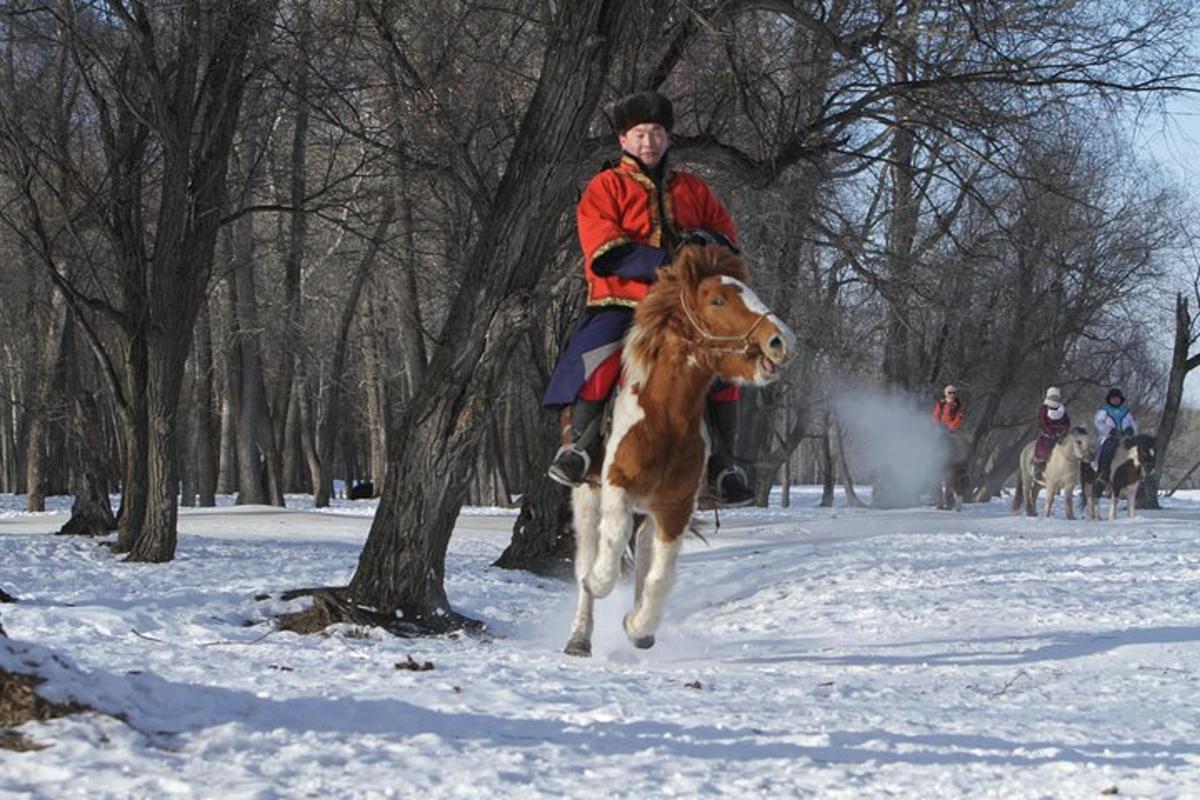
(707, 336)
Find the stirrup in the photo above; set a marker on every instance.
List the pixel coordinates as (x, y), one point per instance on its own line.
(558, 472)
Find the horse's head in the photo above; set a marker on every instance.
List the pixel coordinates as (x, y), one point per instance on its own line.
(1141, 451)
(1076, 444)
(732, 330)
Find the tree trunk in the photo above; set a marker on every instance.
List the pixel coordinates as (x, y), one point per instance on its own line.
(47, 386)
(330, 428)
(1181, 365)
(252, 449)
(376, 390)
(203, 450)
(543, 540)
(402, 565)
(91, 512)
(286, 432)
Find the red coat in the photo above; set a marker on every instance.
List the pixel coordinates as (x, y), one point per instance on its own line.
(949, 414)
(620, 207)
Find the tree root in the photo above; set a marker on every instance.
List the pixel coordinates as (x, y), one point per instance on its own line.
(20, 703)
(331, 606)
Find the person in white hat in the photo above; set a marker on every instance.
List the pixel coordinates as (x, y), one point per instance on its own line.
(949, 411)
(1053, 423)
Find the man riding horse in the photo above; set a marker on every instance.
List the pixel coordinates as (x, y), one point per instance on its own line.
(631, 218)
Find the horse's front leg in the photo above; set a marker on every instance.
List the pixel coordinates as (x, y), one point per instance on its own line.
(1051, 490)
(1069, 499)
(642, 551)
(616, 525)
(665, 544)
(1133, 490)
(585, 504)
(1116, 501)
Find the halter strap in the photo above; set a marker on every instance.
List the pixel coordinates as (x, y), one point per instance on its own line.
(712, 337)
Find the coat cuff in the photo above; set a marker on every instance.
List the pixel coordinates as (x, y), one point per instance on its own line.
(631, 261)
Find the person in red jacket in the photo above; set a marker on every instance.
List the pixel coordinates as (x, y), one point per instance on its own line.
(630, 219)
(1053, 423)
(948, 412)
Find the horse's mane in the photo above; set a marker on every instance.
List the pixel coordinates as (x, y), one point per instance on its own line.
(659, 314)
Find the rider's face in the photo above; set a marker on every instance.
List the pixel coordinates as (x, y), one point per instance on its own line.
(648, 141)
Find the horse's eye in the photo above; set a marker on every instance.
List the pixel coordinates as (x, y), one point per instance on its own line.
(717, 301)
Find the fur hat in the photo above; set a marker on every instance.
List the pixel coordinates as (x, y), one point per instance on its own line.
(640, 107)
(950, 389)
(1117, 391)
(1053, 392)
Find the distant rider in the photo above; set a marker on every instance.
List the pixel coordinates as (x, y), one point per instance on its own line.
(1053, 423)
(948, 412)
(1113, 422)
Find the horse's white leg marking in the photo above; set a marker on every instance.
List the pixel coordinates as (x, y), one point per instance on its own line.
(1116, 500)
(585, 503)
(616, 510)
(641, 554)
(643, 621)
(1133, 487)
(616, 525)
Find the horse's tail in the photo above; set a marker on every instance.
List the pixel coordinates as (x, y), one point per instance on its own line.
(1018, 493)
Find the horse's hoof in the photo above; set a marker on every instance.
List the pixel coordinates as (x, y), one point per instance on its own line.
(640, 642)
(578, 647)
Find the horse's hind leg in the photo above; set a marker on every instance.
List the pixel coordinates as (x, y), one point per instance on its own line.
(616, 525)
(585, 503)
(665, 544)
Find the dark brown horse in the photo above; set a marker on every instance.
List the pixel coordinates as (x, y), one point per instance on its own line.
(699, 322)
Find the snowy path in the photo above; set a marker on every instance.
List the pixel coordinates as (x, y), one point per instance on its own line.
(806, 653)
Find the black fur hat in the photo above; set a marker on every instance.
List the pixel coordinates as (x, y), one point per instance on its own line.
(1117, 391)
(634, 109)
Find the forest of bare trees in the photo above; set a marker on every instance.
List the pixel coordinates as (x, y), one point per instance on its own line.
(271, 247)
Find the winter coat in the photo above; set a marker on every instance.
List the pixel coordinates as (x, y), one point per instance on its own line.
(949, 414)
(1052, 423)
(1111, 419)
(622, 231)
(620, 218)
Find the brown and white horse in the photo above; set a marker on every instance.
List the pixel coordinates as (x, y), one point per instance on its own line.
(700, 321)
(1133, 460)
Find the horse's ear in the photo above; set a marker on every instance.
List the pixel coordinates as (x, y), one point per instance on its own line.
(687, 265)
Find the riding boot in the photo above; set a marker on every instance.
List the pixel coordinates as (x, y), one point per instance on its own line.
(727, 482)
(581, 442)
(1104, 463)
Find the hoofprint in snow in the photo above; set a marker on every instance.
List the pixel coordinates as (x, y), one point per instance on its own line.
(830, 653)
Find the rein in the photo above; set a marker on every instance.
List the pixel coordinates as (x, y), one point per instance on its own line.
(707, 336)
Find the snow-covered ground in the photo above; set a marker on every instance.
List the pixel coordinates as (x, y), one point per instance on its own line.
(831, 653)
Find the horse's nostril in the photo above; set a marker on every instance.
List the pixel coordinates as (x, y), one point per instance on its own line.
(776, 345)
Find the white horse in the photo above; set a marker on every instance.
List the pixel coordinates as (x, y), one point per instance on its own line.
(1062, 472)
